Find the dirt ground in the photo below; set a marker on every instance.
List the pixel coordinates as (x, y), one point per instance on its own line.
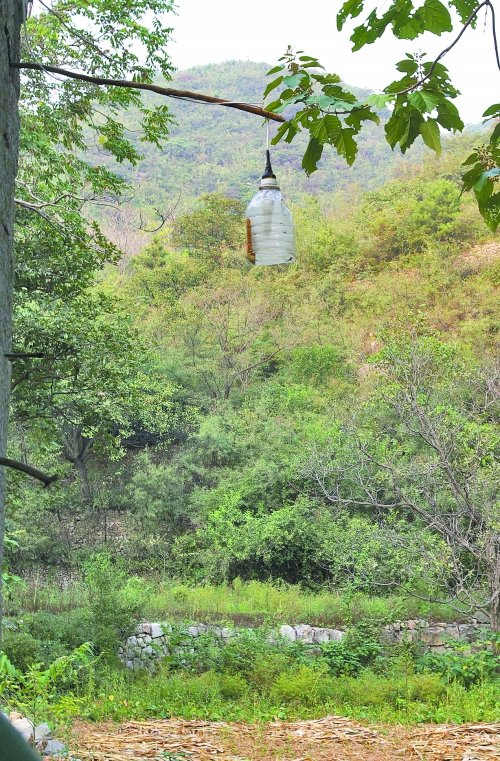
(330, 739)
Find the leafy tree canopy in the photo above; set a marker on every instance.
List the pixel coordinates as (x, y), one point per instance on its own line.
(421, 98)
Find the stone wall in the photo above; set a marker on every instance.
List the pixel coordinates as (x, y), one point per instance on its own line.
(432, 637)
(154, 641)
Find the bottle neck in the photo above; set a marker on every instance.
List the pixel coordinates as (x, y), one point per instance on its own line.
(269, 183)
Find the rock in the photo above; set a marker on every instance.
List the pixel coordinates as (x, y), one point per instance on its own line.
(148, 638)
(412, 624)
(452, 631)
(130, 664)
(55, 748)
(148, 650)
(145, 628)
(467, 632)
(24, 726)
(438, 649)
(202, 628)
(335, 635)
(388, 635)
(193, 631)
(304, 633)
(225, 633)
(132, 641)
(433, 636)
(288, 632)
(42, 732)
(320, 635)
(156, 631)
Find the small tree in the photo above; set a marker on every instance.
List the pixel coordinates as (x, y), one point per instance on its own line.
(424, 448)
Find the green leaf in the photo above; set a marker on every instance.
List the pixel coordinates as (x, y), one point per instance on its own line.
(350, 9)
(436, 17)
(396, 126)
(490, 211)
(464, 8)
(407, 65)
(432, 137)
(425, 100)
(294, 80)
(312, 155)
(272, 85)
(448, 116)
(346, 145)
(286, 131)
(377, 100)
(493, 110)
(470, 159)
(470, 177)
(360, 115)
(274, 70)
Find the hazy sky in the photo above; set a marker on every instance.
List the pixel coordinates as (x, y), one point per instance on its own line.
(211, 31)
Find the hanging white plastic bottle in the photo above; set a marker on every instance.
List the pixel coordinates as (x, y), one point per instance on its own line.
(270, 233)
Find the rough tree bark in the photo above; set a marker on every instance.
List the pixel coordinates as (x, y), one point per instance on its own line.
(11, 18)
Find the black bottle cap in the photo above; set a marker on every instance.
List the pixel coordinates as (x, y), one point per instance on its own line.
(268, 171)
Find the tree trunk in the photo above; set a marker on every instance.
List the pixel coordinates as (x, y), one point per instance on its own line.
(493, 557)
(11, 18)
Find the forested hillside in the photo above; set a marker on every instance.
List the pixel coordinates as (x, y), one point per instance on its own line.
(213, 149)
(252, 445)
(225, 421)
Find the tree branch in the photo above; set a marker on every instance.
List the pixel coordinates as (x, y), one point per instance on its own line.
(167, 91)
(34, 472)
(472, 17)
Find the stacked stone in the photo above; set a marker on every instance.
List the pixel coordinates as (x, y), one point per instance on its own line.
(310, 635)
(150, 643)
(146, 647)
(437, 637)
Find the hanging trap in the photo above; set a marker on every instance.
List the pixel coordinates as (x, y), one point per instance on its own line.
(270, 233)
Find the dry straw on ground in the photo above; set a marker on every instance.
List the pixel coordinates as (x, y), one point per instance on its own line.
(330, 739)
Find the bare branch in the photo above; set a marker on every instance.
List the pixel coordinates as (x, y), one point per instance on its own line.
(169, 92)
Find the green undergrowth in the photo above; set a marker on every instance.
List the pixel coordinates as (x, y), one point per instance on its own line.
(244, 603)
(298, 693)
(252, 678)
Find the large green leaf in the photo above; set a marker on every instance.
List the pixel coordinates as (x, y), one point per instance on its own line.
(312, 155)
(350, 9)
(436, 17)
(432, 137)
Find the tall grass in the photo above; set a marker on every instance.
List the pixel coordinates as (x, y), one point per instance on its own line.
(267, 602)
(303, 693)
(243, 602)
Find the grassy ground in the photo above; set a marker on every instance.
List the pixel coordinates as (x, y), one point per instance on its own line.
(244, 603)
(301, 694)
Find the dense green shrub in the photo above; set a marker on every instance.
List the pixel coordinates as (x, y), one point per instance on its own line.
(358, 649)
(466, 664)
(21, 648)
(112, 611)
(71, 628)
(308, 685)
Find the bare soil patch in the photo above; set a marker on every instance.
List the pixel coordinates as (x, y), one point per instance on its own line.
(333, 738)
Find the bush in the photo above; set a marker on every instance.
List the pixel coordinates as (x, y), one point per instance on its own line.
(463, 665)
(232, 686)
(359, 648)
(370, 689)
(71, 629)
(305, 685)
(113, 612)
(21, 648)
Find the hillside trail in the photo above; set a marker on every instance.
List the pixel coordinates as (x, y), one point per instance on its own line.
(333, 738)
